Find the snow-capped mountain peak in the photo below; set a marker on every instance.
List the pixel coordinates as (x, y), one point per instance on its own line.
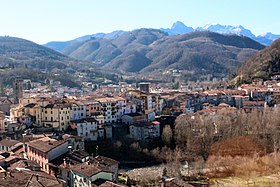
(180, 28)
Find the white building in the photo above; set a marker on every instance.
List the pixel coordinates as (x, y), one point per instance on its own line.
(86, 173)
(7, 145)
(78, 111)
(144, 131)
(108, 109)
(90, 129)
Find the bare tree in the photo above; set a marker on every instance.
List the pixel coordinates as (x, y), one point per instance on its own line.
(167, 135)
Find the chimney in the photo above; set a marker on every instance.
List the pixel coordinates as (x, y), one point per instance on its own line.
(64, 162)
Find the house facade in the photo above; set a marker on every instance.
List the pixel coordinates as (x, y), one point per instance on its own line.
(78, 111)
(54, 115)
(89, 128)
(44, 150)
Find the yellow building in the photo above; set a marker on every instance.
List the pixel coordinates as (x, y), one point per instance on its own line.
(54, 115)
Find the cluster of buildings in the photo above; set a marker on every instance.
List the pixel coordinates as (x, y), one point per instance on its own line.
(95, 115)
(92, 117)
(33, 124)
(53, 160)
(258, 95)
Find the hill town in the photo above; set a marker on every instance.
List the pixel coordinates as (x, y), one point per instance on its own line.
(185, 106)
(56, 134)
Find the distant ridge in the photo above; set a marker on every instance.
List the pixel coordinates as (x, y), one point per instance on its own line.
(19, 52)
(177, 28)
(199, 53)
(60, 45)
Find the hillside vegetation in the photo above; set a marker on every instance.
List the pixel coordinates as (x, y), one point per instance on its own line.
(153, 51)
(264, 64)
(20, 58)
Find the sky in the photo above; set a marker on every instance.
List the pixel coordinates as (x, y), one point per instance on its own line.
(43, 21)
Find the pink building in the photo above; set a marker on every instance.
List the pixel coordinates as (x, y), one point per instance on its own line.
(93, 108)
(44, 150)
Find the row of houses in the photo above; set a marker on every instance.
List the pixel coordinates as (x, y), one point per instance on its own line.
(90, 117)
(94, 117)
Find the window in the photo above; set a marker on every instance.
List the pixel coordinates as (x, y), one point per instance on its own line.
(46, 112)
(61, 117)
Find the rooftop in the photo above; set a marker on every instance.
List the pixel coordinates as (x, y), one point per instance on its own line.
(104, 183)
(27, 178)
(86, 169)
(45, 144)
(8, 142)
(105, 160)
(58, 105)
(24, 164)
(30, 105)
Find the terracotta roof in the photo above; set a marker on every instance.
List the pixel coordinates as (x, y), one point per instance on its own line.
(155, 123)
(105, 160)
(45, 144)
(27, 179)
(24, 164)
(70, 158)
(58, 105)
(8, 142)
(30, 105)
(86, 169)
(224, 105)
(109, 184)
(109, 99)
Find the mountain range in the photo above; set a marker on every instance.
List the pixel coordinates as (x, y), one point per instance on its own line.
(154, 51)
(180, 28)
(176, 29)
(197, 54)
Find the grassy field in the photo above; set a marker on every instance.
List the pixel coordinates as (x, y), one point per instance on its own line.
(263, 181)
